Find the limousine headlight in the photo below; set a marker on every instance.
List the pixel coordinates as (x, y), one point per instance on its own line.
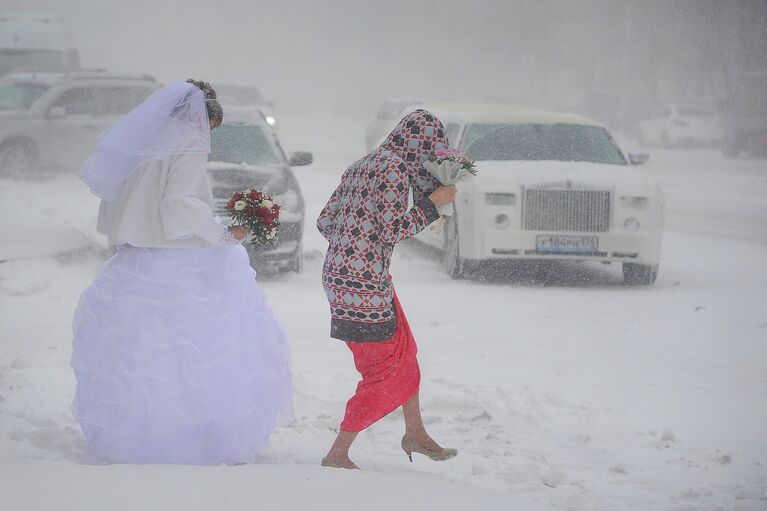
(634, 201)
(502, 221)
(501, 199)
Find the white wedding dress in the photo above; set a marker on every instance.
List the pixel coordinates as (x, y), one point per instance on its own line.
(178, 357)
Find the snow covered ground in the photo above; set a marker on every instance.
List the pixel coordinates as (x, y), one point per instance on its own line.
(567, 392)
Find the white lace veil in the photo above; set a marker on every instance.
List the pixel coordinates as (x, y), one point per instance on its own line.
(171, 121)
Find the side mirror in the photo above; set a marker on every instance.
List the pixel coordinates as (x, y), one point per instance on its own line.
(639, 158)
(57, 112)
(300, 158)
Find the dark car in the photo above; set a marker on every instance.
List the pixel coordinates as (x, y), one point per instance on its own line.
(245, 153)
(745, 117)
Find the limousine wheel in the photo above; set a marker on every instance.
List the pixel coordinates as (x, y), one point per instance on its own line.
(639, 274)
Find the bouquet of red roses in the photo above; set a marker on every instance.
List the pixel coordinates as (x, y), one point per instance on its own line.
(258, 212)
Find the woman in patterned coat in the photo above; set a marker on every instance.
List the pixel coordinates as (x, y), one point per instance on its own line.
(365, 217)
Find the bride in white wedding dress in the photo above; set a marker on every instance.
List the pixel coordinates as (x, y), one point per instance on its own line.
(177, 355)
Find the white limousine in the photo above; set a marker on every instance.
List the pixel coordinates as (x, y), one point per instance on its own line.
(549, 186)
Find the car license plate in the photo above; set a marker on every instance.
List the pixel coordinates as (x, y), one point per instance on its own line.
(567, 244)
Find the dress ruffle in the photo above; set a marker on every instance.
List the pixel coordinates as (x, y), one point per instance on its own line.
(179, 359)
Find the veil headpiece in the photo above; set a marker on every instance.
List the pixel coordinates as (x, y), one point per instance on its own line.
(172, 121)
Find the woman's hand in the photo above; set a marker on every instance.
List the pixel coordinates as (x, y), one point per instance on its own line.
(443, 195)
(238, 232)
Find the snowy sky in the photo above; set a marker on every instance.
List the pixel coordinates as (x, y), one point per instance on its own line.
(347, 55)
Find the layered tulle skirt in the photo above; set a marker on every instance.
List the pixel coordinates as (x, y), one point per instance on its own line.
(178, 359)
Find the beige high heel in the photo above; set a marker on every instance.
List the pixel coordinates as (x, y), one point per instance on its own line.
(410, 446)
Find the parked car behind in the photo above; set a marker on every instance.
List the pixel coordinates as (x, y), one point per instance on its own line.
(246, 95)
(245, 153)
(549, 187)
(50, 120)
(387, 117)
(685, 124)
(745, 114)
(35, 42)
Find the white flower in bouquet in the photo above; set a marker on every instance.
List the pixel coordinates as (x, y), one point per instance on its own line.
(450, 166)
(267, 204)
(239, 205)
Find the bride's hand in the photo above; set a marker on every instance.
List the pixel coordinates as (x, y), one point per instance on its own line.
(238, 232)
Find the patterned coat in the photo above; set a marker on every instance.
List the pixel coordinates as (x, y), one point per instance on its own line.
(366, 216)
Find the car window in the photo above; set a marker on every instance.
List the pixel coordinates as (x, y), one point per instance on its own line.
(20, 96)
(77, 101)
(119, 100)
(30, 59)
(244, 143)
(555, 142)
(109, 100)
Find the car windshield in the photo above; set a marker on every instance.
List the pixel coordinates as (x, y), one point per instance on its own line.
(239, 95)
(553, 142)
(20, 96)
(13, 58)
(244, 143)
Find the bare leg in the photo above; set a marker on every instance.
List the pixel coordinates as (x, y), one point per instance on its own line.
(414, 427)
(338, 455)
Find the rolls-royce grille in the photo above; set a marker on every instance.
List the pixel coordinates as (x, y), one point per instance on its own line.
(567, 210)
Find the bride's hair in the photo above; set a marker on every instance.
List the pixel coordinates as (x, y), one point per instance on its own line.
(215, 112)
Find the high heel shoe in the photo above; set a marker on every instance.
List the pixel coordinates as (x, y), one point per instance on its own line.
(336, 464)
(410, 446)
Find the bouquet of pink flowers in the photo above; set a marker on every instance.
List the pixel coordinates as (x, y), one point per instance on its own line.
(450, 166)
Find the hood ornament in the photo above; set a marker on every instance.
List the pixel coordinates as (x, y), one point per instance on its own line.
(569, 184)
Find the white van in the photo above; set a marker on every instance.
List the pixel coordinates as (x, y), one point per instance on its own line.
(35, 42)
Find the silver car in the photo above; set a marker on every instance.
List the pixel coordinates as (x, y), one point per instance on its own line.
(50, 121)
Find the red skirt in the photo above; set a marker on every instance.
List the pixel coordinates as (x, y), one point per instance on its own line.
(390, 375)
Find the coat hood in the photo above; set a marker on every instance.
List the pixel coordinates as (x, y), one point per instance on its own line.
(416, 138)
